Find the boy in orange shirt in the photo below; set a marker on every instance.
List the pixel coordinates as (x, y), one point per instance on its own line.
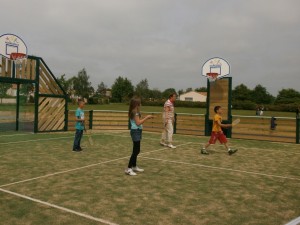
(217, 133)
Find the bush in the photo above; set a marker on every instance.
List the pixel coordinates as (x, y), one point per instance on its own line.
(186, 104)
(98, 100)
(283, 107)
(244, 105)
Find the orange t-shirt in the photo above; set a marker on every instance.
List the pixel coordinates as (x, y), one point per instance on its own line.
(216, 126)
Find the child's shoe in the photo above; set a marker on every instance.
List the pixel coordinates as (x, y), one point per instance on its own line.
(204, 152)
(232, 151)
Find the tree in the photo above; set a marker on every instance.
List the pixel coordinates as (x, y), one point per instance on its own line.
(155, 94)
(66, 84)
(166, 93)
(189, 89)
(101, 89)
(288, 96)
(81, 85)
(241, 93)
(27, 90)
(201, 89)
(260, 95)
(122, 90)
(180, 92)
(3, 89)
(142, 89)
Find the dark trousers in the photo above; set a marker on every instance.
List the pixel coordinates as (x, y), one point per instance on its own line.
(78, 136)
(135, 151)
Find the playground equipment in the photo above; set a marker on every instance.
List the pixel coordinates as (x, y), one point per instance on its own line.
(50, 100)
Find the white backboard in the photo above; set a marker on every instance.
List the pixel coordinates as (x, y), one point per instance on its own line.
(216, 65)
(10, 43)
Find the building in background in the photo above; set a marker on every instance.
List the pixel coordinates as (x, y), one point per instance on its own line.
(193, 96)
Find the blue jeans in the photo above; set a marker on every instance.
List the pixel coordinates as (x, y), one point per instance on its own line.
(78, 136)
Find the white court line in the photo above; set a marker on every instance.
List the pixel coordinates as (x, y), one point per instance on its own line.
(221, 168)
(44, 139)
(10, 135)
(83, 167)
(294, 222)
(59, 207)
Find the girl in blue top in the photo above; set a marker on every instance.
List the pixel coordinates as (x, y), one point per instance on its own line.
(136, 128)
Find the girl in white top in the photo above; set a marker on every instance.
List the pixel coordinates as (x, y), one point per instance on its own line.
(136, 128)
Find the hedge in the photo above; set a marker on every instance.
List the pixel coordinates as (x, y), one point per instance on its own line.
(186, 104)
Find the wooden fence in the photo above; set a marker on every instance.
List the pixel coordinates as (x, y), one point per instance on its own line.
(256, 128)
(259, 128)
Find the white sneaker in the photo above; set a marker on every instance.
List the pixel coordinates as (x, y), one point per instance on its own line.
(130, 172)
(171, 146)
(163, 144)
(136, 169)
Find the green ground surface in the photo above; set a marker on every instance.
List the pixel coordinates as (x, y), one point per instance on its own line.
(258, 185)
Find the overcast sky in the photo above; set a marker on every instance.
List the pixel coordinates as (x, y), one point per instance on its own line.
(165, 41)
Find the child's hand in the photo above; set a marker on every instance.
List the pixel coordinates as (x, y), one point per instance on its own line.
(150, 117)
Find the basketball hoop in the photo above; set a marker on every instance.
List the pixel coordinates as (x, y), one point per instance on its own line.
(212, 77)
(18, 58)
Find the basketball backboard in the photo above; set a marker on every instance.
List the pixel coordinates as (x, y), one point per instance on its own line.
(10, 43)
(216, 65)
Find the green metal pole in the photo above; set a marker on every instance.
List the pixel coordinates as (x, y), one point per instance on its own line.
(229, 105)
(91, 119)
(66, 113)
(13, 70)
(206, 131)
(297, 130)
(175, 123)
(36, 96)
(18, 107)
(66, 119)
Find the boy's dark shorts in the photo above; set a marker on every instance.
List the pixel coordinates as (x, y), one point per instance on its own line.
(136, 134)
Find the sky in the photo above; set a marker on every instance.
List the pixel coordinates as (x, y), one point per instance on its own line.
(164, 41)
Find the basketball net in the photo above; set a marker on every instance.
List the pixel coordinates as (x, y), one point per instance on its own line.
(18, 59)
(212, 77)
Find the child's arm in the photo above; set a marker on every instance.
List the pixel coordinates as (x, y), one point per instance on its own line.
(223, 125)
(167, 109)
(140, 121)
(78, 119)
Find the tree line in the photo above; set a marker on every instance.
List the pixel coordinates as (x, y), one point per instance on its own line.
(122, 90)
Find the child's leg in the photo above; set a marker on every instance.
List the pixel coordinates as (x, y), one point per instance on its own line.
(135, 152)
(229, 150)
(170, 132)
(207, 145)
(163, 135)
(76, 140)
(80, 137)
(226, 146)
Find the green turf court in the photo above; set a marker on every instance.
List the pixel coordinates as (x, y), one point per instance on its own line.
(43, 182)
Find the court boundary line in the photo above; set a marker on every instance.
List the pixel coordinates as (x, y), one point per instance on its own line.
(44, 139)
(58, 207)
(122, 132)
(294, 221)
(221, 168)
(82, 167)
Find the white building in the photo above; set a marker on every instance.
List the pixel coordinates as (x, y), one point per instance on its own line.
(193, 96)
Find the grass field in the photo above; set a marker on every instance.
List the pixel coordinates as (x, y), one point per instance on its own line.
(43, 182)
(124, 107)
